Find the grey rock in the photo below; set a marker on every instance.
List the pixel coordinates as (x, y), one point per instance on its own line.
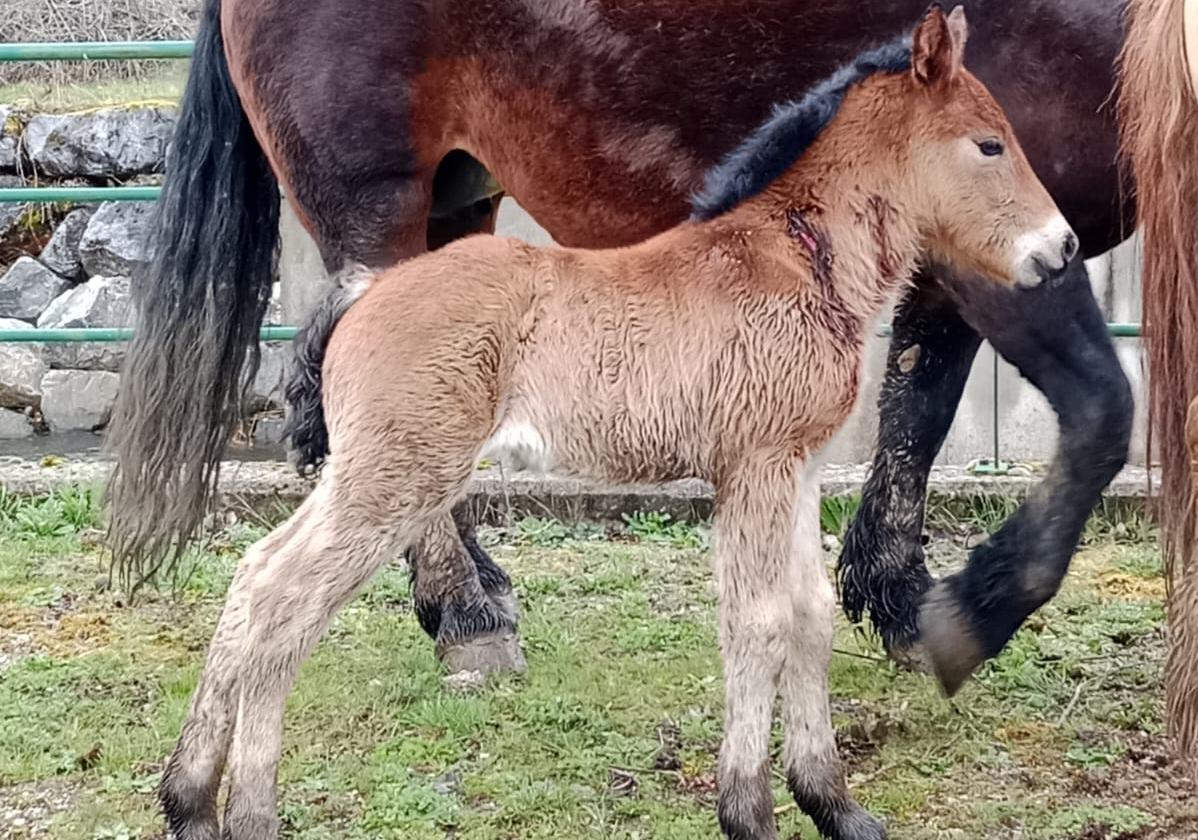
(114, 242)
(37, 132)
(14, 425)
(100, 302)
(74, 400)
(21, 369)
(272, 375)
(11, 214)
(110, 143)
(61, 254)
(27, 288)
(11, 122)
(268, 431)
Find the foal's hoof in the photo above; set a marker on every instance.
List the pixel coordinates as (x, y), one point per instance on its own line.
(952, 650)
(494, 653)
(859, 824)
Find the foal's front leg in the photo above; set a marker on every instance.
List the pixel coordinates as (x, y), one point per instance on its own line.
(814, 771)
(762, 578)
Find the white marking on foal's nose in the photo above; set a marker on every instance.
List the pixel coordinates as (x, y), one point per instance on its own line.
(1044, 253)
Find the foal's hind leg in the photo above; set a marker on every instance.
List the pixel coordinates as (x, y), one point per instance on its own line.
(293, 595)
(191, 778)
(473, 628)
(813, 768)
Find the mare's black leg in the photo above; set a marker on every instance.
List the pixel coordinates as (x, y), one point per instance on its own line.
(463, 600)
(1056, 336)
(882, 569)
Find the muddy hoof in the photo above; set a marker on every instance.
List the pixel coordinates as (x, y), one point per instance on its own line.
(859, 824)
(492, 654)
(951, 649)
(911, 656)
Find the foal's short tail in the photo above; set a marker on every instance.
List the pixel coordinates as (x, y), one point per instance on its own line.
(305, 422)
(200, 303)
(1159, 122)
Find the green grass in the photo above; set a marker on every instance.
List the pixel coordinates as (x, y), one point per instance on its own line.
(614, 731)
(163, 87)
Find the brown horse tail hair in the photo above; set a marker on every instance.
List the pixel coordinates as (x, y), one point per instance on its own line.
(305, 420)
(199, 305)
(1159, 125)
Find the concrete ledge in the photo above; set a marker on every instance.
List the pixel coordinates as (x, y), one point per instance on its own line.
(496, 497)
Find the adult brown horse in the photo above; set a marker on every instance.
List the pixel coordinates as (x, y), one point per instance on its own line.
(601, 117)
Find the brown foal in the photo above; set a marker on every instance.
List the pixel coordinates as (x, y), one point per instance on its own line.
(727, 348)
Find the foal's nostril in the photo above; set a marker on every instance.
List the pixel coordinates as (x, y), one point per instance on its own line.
(1069, 248)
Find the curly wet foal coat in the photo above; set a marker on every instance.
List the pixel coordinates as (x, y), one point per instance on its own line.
(727, 348)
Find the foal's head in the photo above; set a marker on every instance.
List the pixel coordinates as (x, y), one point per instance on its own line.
(985, 208)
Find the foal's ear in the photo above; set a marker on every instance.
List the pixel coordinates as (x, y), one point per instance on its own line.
(938, 47)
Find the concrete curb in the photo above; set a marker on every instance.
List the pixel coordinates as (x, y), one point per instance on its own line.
(498, 497)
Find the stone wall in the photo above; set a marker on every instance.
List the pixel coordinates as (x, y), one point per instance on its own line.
(70, 266)
(79, 276)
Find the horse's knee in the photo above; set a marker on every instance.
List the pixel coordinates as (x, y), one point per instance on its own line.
(1100, 422)
(814, 604)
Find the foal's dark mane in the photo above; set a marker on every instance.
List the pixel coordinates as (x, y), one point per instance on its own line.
(792, 127)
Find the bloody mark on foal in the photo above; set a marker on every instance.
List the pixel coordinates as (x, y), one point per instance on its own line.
(817, 242)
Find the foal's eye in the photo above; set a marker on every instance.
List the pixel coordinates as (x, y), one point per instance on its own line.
(991, 148)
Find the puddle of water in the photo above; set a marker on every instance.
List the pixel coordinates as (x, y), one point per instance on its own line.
(88, 446)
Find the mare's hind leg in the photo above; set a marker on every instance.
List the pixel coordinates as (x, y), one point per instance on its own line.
(813, 767)
(882, 571)
(474, 628)
(1055, 334)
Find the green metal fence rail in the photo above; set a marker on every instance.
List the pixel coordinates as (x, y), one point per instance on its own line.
(68, 335)
(96, 50)
(22, 195)
(141, 50)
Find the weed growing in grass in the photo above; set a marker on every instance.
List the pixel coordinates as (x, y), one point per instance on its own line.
(837, 512)
(975, 514)
(64, 512)
(538, 531)
(1121, 520)
(660, 527)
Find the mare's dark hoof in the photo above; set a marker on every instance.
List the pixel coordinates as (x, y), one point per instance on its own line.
(494, 653)
(911, 656)
(952, 651)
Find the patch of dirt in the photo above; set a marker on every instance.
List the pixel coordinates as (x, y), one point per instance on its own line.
(1147, 773)
(65, 627)
(1116, 584)
(26, 810)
